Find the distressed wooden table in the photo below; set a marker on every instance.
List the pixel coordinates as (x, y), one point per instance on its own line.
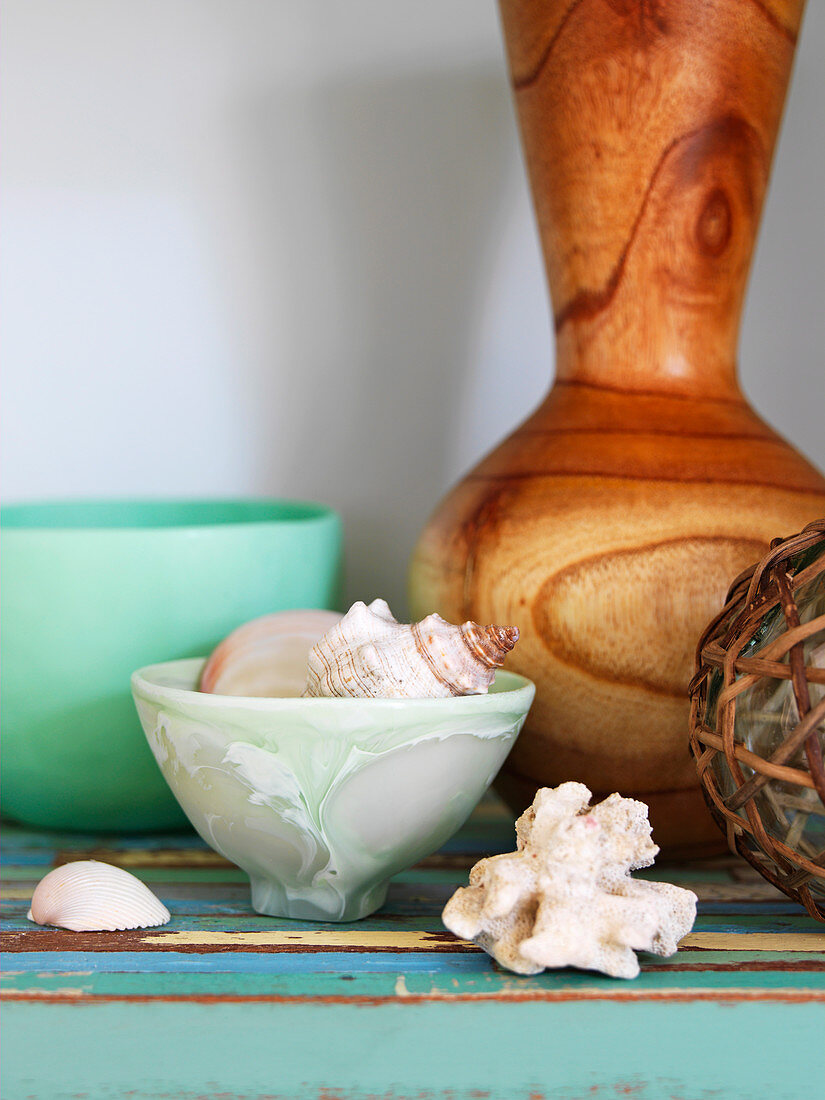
(227, 1004)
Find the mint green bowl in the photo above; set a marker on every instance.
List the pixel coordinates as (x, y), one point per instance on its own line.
(93, 590)
(322, 801)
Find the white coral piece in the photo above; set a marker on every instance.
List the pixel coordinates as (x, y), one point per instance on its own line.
(565, 897)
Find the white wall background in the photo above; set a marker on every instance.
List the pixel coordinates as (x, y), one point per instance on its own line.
(285, 247)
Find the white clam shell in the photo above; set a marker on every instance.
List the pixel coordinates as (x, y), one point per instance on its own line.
(369, 654)
(267, 656)
(89, 896)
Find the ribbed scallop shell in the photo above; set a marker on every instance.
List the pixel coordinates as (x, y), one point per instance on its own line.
(89, 896)
(369, 653)
(267, 656)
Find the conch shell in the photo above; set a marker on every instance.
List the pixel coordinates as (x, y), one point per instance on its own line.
(369, 653)
(267, 656)
(89, 896)
(565, 897)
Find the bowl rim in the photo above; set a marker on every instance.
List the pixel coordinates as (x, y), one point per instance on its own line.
(143, 685)
(57, 515)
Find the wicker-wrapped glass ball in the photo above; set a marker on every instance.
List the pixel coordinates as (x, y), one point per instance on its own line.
(758, 716)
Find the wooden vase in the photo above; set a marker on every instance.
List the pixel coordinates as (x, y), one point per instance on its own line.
(610, 524)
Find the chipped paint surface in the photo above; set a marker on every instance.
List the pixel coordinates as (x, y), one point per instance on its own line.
(230, 1003)
(323, 938)
(426, 1050)
(756, 941)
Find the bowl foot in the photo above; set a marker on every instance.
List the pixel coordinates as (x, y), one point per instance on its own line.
(317, 903)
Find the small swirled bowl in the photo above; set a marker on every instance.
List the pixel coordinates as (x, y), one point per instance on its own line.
(322, 801)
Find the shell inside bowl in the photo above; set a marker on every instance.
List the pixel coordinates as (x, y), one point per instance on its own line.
(321, 801)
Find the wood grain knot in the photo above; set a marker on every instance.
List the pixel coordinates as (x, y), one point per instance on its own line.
(715, 224)
(605, 613)
(648, 16)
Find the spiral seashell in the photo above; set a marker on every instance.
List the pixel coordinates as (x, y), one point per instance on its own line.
(369, 653)
(267, 656)
(89, 896)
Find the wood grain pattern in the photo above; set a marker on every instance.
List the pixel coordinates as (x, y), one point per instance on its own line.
(610, 524)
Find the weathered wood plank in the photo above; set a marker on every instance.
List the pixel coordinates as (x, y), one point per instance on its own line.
(207, 935)
(233, 1004)
(430, 1050)
(391, 977)
(469, 962)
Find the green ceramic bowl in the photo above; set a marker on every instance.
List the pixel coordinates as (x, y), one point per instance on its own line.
(93, 590)
(321, 801)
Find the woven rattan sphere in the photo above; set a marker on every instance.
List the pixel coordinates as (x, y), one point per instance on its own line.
(758, 716)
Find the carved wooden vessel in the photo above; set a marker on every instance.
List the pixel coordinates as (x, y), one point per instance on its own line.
(610, 524)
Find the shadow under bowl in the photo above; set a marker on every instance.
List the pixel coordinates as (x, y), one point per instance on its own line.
(322, 801)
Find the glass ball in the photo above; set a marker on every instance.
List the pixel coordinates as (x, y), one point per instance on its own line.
(766, 714)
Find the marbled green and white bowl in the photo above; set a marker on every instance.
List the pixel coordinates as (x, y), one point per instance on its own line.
(322, 801)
